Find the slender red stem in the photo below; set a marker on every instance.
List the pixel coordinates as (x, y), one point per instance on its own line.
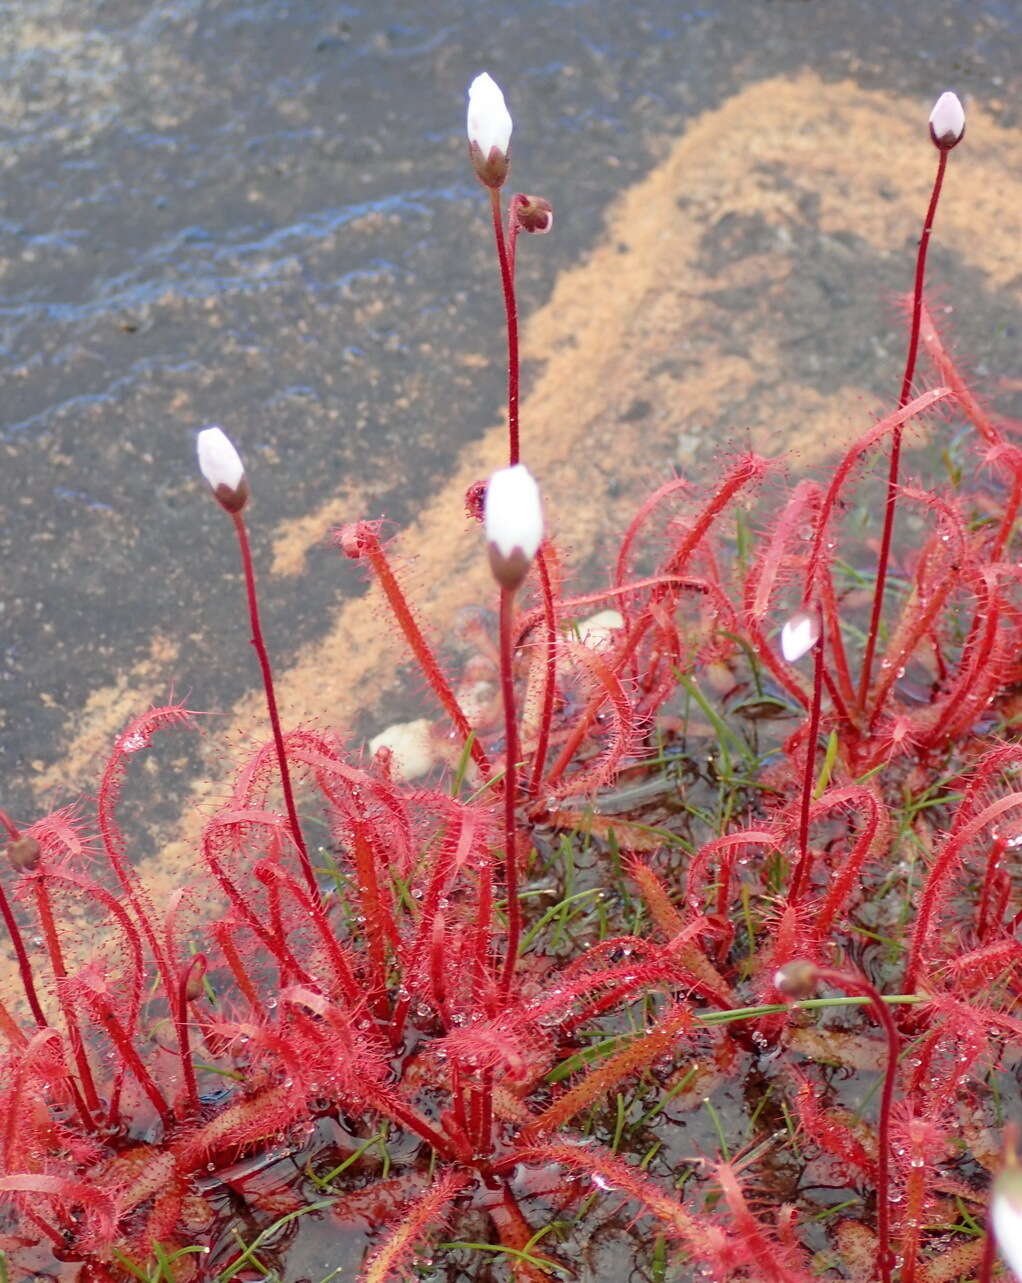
(180, 1019)
(993, 866)
(74, 1034)
(276, 944)
(52, 1234)
(24, 966)
(511, 310)
(808, 776)
(14, 931)
(437, 955)
(1009, 516)
(906, 389)
(986, 1265)
(267, 871)
(859, 986)
(101, 1010)
(458, 1101)
(831, 621)
(135, 976)
(507, 690)
(271, 700)
(371, 904)
(481, 944)
(233, 959)
(485, 1119)
(550, 676)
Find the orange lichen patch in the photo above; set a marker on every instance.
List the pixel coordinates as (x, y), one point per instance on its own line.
(293, 539)
(102, 719)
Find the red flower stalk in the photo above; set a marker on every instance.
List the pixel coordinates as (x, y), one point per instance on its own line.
(14, 931)
(947, 115)
(222, 468)
(507, 282)
(513, 519)
(801, 633)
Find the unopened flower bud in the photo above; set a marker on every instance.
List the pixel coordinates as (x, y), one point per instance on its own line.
(799, 635)
(513, 519)
(195, 985)
(1006, 1215)
(24, 853)
(534, 214)
(796, 979)
(222, 467)
(475, 498)
(489, 130)
(947, 121)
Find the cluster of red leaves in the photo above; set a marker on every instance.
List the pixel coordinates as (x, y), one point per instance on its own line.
(381, 997)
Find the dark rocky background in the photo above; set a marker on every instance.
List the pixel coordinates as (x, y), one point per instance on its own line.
(261, 214)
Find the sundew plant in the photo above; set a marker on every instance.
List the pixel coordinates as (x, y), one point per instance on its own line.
(591, 1002)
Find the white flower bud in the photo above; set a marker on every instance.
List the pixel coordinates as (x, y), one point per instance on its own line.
(947, 121)
(1006, 1216)
(489, 130)
(799, 635)
(796, 979)
(513, 518)
(221, 465)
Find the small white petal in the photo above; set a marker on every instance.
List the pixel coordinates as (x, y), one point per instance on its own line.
(596, 631)
(1006, 1216)
(489, 121)
(411, 745)
(947, 120)
(220, 463)
(512, 512)
(799, 634)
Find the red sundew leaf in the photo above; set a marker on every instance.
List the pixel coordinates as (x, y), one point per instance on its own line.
(638, 1055)
(833, 1131)
(68, 1194)
(956, 1262)
(379, 1203)
(858, 1247)
(631, 837)
(772, 1260)
(836, 1047)
(422, 1217)
(515, 1232)
(278, 1199)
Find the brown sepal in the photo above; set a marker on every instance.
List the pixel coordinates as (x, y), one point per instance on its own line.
(490, 170)
(509, 572)
(24, 853)
(232, 500)
(948, 140)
